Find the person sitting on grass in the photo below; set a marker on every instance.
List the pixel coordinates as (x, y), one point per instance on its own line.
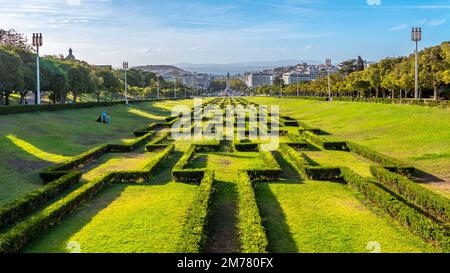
(108, 119)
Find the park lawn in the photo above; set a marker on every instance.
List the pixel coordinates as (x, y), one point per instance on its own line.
(318, 217)
(143, 218)
(32, 141)
(415, 134)
(328, 158)
(326, 217)
(126, 218)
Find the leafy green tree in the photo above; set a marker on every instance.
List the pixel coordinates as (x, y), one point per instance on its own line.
(11, 75)
(53, 80)
(80, 81)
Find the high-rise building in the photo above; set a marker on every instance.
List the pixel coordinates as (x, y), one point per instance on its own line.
(258, 79)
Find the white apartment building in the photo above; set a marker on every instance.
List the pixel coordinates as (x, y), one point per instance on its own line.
(291, 78)
(258, 79)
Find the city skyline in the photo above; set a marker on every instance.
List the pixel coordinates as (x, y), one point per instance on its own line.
(202, 32)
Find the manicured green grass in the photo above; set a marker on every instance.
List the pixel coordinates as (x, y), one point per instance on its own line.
(418, 135)
(123, 219)
(358, 164)
(32, 141)
(126, 218)
(326, 217)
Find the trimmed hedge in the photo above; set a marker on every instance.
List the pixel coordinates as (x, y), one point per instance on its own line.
(246, 147)
(387, 162)
(12, 212)
(58, 170)
(129, 147)
(294, 158)
(430, 103)
(18, 109)
(17, 237)
(325, 144)
(324, 173)
(399, 210)
(194, 229)
(431, 202)
(181, 174)
(252, 236)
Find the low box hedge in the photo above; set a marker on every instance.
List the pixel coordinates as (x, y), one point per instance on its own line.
(387, 162)
(323, 143)
(129, 147)
(324, 173)
(195, 223)
(409, 217)
(252, 235)
(14, 211)
(246, 147)
(294, 158)
(189, 176)
(18, 236)
(56, 171)
(435, 204)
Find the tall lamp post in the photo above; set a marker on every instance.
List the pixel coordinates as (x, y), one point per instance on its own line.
(416, 36)
(328, 64)
(175, 89)
(37, 42)
(125, 68)
(298, 80)
(158, 87)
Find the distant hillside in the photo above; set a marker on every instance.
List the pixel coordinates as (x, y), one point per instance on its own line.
(162, 69)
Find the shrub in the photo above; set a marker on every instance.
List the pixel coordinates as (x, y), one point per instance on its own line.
(325, 144)
(251, 231)
(195, 223)
(294, 158)
(324, 173)
(399, 210)
(11, 213)
(433, 203)
(58, 170)
(246, 147)
(125, 148)
(387, 162)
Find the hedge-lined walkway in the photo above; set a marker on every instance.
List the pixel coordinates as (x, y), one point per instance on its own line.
(223, 234)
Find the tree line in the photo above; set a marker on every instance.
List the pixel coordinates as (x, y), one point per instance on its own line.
(65, 80)
(389, 78)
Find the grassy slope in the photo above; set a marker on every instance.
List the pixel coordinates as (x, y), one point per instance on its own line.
(418, 135)
(125, 218)
(29, 142)
(317, 216)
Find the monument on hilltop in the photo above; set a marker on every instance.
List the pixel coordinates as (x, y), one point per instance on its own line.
(70, 57)
(228, 91)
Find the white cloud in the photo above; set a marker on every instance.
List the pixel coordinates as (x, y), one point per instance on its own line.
(73, 2)
(432, 22)
(309, 47)
(374, 2)
(399, 27)
(437, 22)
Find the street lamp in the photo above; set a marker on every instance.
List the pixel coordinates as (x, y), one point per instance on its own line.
(175, 89)
(416, 36)
(125, 68)
(158, 87)
(37, 42)
(328, 64)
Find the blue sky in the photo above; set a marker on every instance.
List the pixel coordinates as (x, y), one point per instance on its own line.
(218, 31)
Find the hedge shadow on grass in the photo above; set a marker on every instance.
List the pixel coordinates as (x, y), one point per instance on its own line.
(87, 210)
(281, 230)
